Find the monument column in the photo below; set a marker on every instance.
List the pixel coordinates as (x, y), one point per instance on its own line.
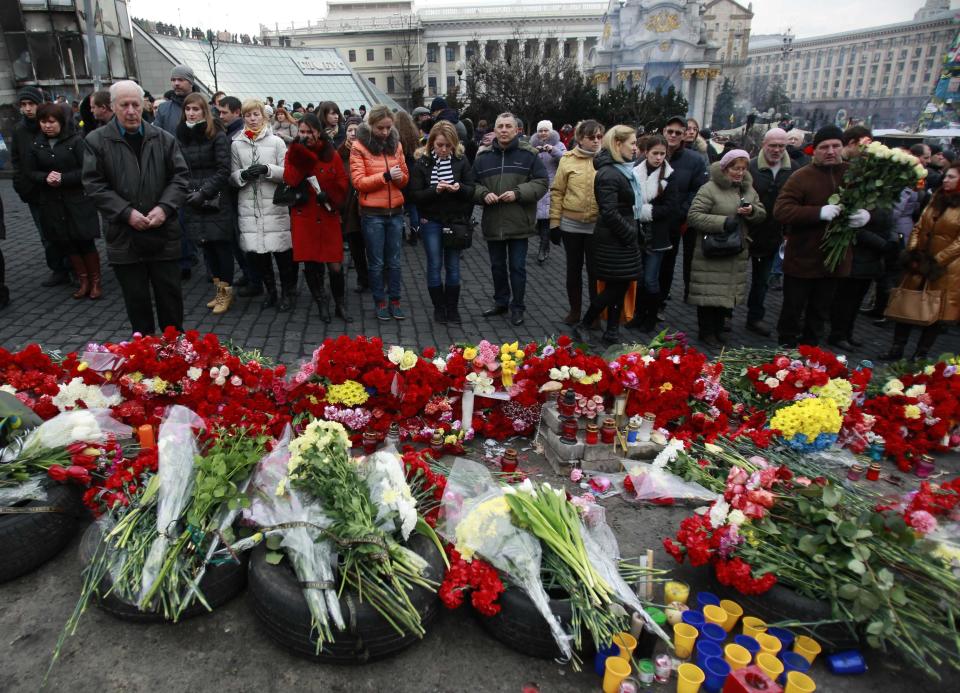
(482, 47)
(686, 75)
(541, 48)
(697, 107)
(463, 61)
(711, 97)
(502, 50)
(581, 45)
(442, 85)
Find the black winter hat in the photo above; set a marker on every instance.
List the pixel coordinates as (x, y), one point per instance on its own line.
(827, 132)
(30, 93)
(438, 104)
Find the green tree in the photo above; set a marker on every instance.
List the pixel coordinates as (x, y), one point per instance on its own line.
(641, 107)
(725, 106)
(776, 98)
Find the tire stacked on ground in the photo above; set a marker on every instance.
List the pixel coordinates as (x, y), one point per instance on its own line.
(38, 530)
(220, 584)
(520, 626)
(279, 604)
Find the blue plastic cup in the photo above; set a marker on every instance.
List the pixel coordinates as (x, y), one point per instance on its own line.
(711, 631)
(716, 671)
(784, 636)
(706, 649)
(749, 643)
(706, 598)
(600, 660)
(792, 662)
(693, 618)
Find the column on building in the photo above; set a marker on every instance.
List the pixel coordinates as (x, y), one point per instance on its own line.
(463, 61)
(541, 48)
(686, 76)
(442, 83)
(711, 97)
(581, 44)
(602, 80)
(482, 47)
(502, 49)
(700, 94)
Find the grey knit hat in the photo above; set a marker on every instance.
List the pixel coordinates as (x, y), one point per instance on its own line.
(30, 93)
(183, 72)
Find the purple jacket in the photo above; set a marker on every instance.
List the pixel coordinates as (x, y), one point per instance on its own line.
(902, 214)
(550, 161)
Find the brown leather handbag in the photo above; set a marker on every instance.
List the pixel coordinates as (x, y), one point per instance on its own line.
(914, 306)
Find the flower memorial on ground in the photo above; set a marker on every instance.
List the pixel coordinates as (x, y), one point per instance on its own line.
(251, 452)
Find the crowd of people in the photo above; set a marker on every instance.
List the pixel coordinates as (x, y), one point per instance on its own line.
(271, 188)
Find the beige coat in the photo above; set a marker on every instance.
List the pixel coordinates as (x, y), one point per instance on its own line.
(571, 194)
(722, 281)
(943, 236)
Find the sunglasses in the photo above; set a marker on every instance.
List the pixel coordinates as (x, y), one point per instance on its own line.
(673, 132)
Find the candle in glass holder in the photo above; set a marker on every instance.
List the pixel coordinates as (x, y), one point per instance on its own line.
(567, 404)
(873, 473)
(593, 434)
(568, 433)
(924, 466)
(609, 431)
(855, 472)
(675, 591)
(370, 442)
(436, 444)
(633, 431)
(393, 435)
(508, 461)
(147, 438)
(646, 427)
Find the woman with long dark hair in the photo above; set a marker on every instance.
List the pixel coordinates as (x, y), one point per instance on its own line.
(315, 224)
(350, 213)
(207, 214)
(332, 121)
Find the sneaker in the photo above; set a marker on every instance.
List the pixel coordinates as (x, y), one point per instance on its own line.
(396, 311)
(382, 312)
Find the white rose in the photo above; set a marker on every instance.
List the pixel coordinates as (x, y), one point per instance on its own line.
(394, 354)
(783, 374)
(440, 364)
(771, 383)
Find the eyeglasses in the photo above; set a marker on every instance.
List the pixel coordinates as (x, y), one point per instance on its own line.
(598, 136)
(675, 133)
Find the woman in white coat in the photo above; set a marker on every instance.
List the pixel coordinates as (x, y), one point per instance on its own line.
(257, 167)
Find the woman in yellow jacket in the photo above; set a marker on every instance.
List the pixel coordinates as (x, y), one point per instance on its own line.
(573, 212)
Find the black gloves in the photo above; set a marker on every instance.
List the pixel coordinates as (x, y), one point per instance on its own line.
(730, 224)
(195, 198)
(322, 196)
(254, 171)
(555, 235)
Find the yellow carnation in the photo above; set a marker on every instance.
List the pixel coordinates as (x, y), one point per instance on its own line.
(470, 353)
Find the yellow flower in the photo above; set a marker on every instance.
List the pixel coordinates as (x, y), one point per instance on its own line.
(666, 387)
(811, 417)
(470, 353)
(349, 392)
(408, 360)
(911, 411)
(83, 366)
(480, 525)
(136, 377)
(837, 389)
(159, 385)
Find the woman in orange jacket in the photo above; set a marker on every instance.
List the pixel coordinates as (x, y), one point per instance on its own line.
(378, 172)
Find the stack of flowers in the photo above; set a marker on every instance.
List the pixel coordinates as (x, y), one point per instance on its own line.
(809, 425)
(33, 377)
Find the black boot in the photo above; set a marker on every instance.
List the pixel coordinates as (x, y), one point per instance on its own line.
(313, 274)
(928, 336)
(270, 300)
(287, 299)
(439, 304)
(650, 303)
(338, 287)
(544, 250)
(452, 301)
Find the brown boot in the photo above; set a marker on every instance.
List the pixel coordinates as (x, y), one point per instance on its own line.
(80, 269)
(224, 299)
(92, 262)
(216, 297)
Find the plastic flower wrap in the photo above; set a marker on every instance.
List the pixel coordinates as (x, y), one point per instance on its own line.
(810, 424)
(390, 493)
(478, 522)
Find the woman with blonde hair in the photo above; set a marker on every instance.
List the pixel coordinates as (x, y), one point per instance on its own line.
(207, 213)
(257, 168)
(617, 244)
(284, 126)
(441, 184)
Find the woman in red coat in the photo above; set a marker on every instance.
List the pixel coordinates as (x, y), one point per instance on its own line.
(313, 164)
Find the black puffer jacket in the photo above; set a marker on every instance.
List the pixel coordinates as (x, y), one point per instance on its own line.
(447, 206)
(616, 237)
(24, 133)
(766, 236)
(66, 214)
(118, 183)
(208, 161)
(873, 242)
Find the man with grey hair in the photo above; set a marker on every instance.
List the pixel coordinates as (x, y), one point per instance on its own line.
(136, 175)
(770, 169)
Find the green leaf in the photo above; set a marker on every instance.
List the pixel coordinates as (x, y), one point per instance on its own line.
(898, 596)
(863, 534)
(860, 551)
(847, 529)
(219, 492)
(857, 566)
(875, 627)
(831, 495)
(274, 542)
(848, 591)
(833, 199)
(809, 544)
(274, 557)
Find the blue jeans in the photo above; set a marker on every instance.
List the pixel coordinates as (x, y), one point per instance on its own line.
(383, 236)
(759, 283)
(652, 259)
(513, 251)
(413, 214)
(777, 262)
(437, 256)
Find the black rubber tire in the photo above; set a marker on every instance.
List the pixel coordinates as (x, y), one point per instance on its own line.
(220, 584)
(29, 540)
(522, 628)
(279, 605)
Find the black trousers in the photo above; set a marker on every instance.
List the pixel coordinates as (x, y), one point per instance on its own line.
(4, 291)
(611, 299)
(668, 265)
(805, 310)
(162, 277)
(358, 251)
(579, 251)
(286, 268)
(846, 306)
(710, 320)
(219, 258)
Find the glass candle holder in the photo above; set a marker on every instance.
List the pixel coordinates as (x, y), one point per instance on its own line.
(646, 427)
(609, 431)
(873, 473)
(508, 462)
(370, 442)
(924, 466)
(593, 434)
(569, 431)
(855, 473)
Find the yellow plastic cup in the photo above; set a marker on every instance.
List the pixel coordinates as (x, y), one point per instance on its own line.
(737, 656)
(753, 626)
(627, 644)
(684, 635)
(689, 678)
(799, 683)
(807, 647)
(676, 591)
(616, 670)
(715, 614)
(770, 665)
(769, 643)
(733, 610)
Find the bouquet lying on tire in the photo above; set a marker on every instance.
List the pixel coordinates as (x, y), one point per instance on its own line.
(333, 511)
(538, 540)
(155, 551)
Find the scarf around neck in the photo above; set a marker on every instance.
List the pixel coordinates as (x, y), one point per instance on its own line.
(626, 168)
(585, 152)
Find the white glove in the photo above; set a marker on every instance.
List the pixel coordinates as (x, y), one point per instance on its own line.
(829, 212)
(859, 219)
(312, 180)
(646, 212)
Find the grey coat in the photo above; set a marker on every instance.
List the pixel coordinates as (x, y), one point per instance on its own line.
(118, 183)
(551, 160)
(721, 281)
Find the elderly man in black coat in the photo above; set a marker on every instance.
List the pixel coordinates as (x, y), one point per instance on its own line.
(136, 175)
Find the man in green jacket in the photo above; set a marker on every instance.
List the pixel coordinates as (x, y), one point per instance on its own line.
(510, 180)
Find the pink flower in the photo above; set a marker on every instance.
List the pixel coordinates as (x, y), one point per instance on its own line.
(922, 521)
(576, 474)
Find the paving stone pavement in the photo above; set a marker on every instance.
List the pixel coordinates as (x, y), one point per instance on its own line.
(52, 318)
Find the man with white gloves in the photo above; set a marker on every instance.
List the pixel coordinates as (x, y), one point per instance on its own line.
(804, 209)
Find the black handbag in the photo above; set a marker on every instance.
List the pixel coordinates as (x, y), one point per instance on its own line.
(290, 196)
(457, 235)
(725, 243)
(208, 206)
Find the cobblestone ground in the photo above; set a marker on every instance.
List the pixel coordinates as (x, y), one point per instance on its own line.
(52, 318)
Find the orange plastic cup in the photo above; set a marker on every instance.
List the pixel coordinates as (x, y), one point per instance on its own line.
(627, 644)
(733, 610)
(807, 647)
(689, 678)
(615, 670)
(770, 665)
(753, 626)
(737, 656)
(715, 614)
(799, 683)
(769, 643)
(684, 636)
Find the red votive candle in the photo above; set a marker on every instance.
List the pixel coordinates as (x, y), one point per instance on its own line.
(370, 442)
(569, 435)
(873, 473)
(593, 434)
(147, 439)
(508, 462)
(609, 432)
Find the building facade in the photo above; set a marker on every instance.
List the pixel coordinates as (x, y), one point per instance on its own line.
(728, 27)
(881, 75)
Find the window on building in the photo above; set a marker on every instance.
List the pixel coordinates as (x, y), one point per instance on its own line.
(918, 51)
(566, 50)
(407, 84)
(370, 57)
(391, 84)
(451, 53)
(388, 54)
(352, 56)
(451, 82)
(372, 80)
(432, 85)
(903, 54)
(46, 57)
(926, 78)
